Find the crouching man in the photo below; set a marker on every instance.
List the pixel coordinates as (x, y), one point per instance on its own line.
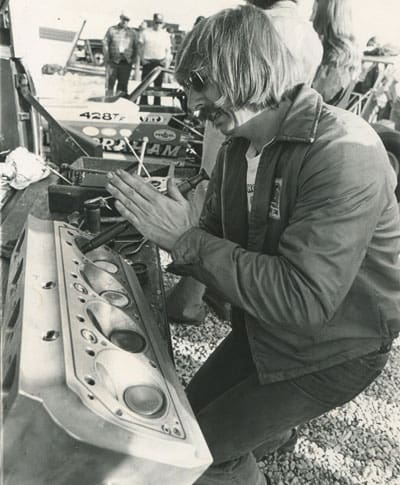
(300, 232)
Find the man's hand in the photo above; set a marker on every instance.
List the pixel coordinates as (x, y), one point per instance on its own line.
(160, 218)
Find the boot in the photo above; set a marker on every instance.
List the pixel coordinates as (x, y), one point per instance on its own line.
(184, 302)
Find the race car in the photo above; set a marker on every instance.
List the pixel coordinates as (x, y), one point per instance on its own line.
(120, 124)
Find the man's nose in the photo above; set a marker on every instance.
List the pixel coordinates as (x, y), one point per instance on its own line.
(195, 100)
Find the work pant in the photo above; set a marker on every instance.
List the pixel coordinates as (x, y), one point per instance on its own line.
(148, 66)
(117, 73)
(243, 420)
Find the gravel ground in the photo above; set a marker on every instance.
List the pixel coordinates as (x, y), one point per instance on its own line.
(358, 443)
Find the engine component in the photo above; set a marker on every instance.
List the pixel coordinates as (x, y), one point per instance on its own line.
(90, 395)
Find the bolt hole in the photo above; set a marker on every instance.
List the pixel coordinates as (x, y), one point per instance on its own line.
(51, 335)
(89, 380)
(80, 288)
(68, 243)
(80, 318)
(90, 352)
(88, 335)
(75, 261)
(74, 275)
(118, 412)
(49, 285)
(82, 300)
(90, 396)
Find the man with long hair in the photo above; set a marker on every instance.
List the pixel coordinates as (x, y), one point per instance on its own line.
(341, 62)
(300, 232)
(186, 300)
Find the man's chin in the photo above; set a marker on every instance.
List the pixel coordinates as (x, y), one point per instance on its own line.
(223, 128)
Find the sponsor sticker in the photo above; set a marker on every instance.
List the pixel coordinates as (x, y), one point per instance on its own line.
(152, 149)
(151, 118)
(164, 135)
(90, 131)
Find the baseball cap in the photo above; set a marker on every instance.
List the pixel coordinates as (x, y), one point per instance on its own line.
(158, 18)
(124, 15)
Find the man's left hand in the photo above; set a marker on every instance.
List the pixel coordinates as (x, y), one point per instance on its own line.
(160, 218)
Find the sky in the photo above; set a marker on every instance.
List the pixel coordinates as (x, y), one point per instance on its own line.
(372, 17)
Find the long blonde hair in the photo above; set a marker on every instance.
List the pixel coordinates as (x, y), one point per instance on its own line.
(239, 51)
(333, 22)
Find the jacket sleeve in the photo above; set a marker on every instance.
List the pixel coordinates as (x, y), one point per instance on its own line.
(210, 218)
(106, 45)
(342, 189)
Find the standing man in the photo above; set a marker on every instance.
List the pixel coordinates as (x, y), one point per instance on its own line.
(155, 46)
(120, 48)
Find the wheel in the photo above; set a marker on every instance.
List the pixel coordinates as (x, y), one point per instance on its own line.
(99, 58)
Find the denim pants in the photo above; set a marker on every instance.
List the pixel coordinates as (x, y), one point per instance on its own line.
(243, 420)
(147, 67)
(117, 73)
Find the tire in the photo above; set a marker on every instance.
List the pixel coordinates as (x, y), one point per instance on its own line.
(99, 58)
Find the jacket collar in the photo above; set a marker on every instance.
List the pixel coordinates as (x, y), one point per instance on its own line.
(301, 121)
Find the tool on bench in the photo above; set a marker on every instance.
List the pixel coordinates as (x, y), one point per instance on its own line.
(109, 234)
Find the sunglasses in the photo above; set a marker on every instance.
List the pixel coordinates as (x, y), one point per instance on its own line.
(194, 81)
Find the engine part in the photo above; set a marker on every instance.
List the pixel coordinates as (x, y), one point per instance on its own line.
(90, 394)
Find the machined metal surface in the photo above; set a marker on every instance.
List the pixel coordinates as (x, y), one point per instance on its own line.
(87, 374)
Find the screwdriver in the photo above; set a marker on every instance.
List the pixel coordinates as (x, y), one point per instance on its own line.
(109, 234)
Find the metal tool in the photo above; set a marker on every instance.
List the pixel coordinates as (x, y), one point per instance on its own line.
(141, 157)
(92, 217)
(141, 161)
(109, 234)
(58, 174)
(102, 201)
(132, 247)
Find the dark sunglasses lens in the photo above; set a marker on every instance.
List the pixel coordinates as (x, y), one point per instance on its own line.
(195, 81)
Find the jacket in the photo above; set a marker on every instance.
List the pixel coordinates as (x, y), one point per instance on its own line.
(120, 44)
(314, 270)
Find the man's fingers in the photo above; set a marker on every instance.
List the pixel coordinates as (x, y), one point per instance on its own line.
(120, 190)
(173, 191)
(127, 182)
(125, 212)
(133, 203)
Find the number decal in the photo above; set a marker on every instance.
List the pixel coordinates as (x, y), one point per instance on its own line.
(96, 115)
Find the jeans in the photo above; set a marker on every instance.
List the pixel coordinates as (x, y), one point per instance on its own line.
(147, 67)
(117, 73)
(242, 420)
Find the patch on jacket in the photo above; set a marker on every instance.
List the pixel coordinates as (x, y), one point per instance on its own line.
(275, 204)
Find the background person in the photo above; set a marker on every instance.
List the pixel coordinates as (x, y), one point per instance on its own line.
(119, 48)
(155, 48)
(300, 232)
(341, 62)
